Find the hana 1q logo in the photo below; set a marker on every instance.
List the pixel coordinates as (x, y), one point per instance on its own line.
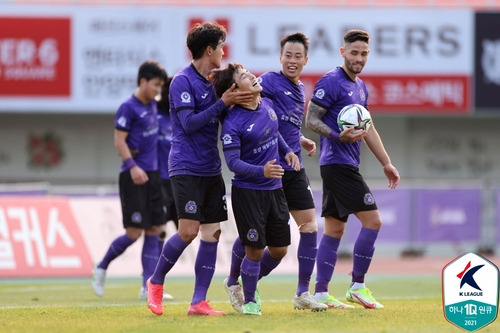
(470, 291)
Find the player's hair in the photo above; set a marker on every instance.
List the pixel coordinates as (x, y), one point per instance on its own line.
(200, 36)
(297, 37)
(164, 102)
(355, 35)
(149, 70)
(222, 79)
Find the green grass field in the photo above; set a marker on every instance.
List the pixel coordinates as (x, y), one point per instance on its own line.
(412, 304)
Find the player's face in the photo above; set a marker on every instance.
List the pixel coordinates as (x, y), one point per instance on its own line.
(293, 59)
(355, 56)
(216, 56)
(246, 81)
(151, 88)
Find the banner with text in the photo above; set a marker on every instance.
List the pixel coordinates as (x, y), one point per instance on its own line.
(420, 60)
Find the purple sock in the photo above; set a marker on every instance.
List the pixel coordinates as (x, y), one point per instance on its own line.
(171, 252)
(306, 256)
(161, 243)
(267, 264)
(204, 269)
(117, 247)
(237, 255)
(364, 247)
(149, 256)
(249, 277)
(325, 262)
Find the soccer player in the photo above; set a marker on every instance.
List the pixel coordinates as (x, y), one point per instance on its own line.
(164, 142)
(286, 91)
(344, 189)
(252, 148)
(195, 167)
(136, 139)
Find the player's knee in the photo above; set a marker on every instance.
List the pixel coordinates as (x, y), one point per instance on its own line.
(309, 227)
(163, 235)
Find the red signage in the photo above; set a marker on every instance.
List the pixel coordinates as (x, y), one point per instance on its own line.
(35, 57)
(405, 94)
(39, 237)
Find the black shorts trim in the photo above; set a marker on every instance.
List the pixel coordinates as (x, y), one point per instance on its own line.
(200, 198)
(261, 216)
(344, 191)
(142, 205)
(297, 190)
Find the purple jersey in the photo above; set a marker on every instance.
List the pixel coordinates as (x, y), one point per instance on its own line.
(194, 112)
(141, 123)
(288, 100)
(333, 91)
(250, 139)
(164, 142)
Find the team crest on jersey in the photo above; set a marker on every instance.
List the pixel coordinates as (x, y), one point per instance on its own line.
(368, 199)
(320, 93)
(136, 217)
(226, 139)
(185, 97)
(362, 95)
(272, 114)
(191, 207)
(252, 235)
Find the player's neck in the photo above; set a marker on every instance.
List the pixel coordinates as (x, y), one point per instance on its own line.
(203, 67)
(352, 75)
(138, 94)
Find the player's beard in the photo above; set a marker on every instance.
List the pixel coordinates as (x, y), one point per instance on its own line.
(355, 68)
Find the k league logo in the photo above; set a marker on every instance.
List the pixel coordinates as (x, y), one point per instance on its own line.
(470, 291)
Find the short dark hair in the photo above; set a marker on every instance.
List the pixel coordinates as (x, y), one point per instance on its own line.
(355, 35)
(164, 101)
(200, 36)
(297, 37)
(222, 79)
(149, 70)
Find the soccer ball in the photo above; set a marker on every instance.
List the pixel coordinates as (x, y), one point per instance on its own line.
(354, 115)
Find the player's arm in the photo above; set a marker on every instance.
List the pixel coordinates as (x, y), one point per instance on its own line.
(374, 143)
(138, 175)
(291, 159)
(308, 145)
(314, 122)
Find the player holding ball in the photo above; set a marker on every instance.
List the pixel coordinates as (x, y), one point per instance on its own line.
(344, 189)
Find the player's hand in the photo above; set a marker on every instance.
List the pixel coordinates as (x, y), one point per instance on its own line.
(273, 170)
(231, 97)
(293, 161)
(139, 176)
(348, 136)
(308, 145)
(392, 174)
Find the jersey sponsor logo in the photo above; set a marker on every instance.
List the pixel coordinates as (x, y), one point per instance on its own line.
(350, 93)
(249, 129)
(185, 97)
(288, 93)
(320, 93)
(204, 95)
(191, 207)
(252, 235)
(226, 139)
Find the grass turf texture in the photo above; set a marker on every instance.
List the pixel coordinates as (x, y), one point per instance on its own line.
(412, 304)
